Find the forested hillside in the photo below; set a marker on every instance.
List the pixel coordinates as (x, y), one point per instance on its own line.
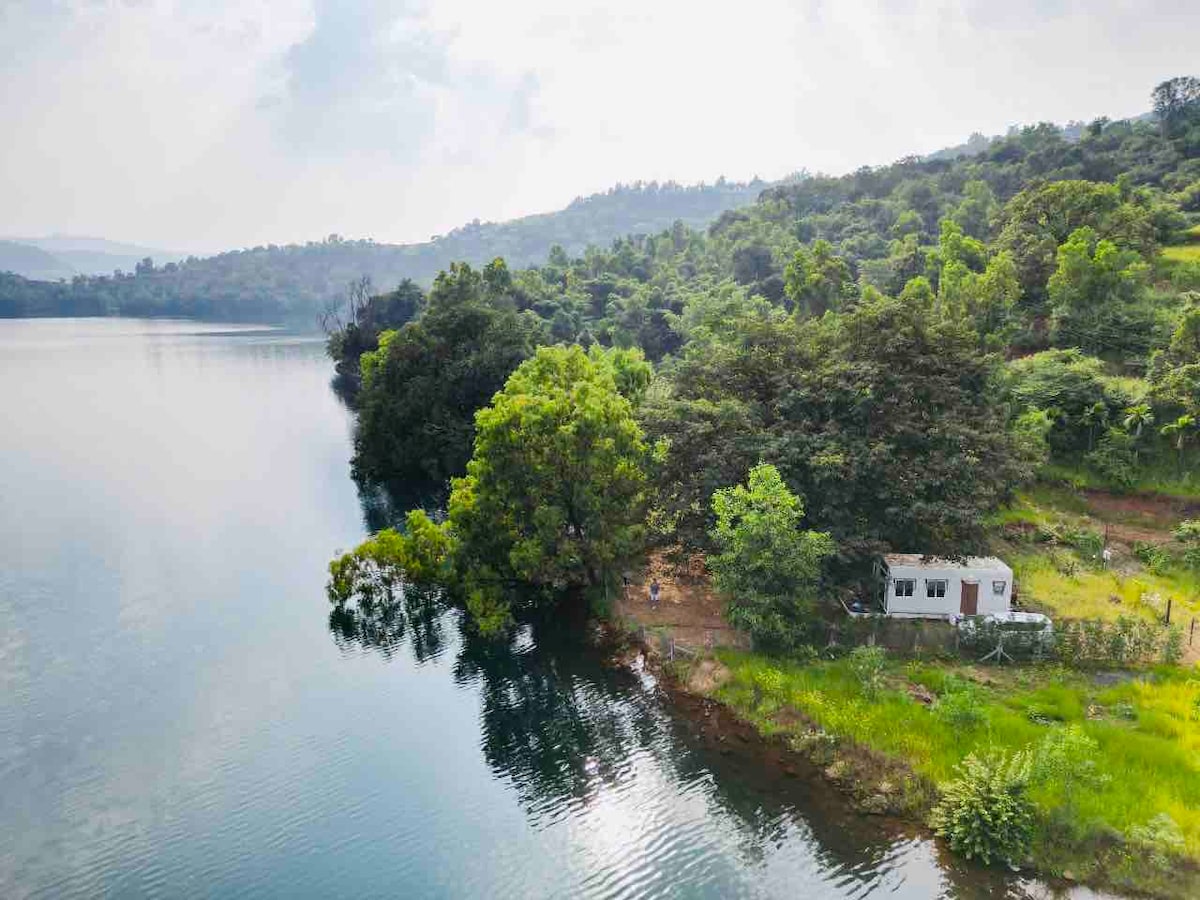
(298, 281)
(854, 330)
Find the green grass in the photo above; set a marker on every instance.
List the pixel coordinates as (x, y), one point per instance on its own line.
(1146, 728)
(1182, 253)
(1165, 479)
(1059, 581)
(1061, 585)
(1188, 251)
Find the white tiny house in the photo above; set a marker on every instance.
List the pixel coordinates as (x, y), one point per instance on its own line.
(928, 587)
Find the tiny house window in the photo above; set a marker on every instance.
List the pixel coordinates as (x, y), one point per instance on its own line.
(935, 588)
(998, 588)
(905, 587)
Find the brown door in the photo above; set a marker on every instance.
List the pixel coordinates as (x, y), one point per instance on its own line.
(970, 599)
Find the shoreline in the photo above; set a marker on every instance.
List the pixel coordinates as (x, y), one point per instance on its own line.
(870, 783)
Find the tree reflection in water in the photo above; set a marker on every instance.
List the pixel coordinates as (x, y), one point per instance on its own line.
(564, 728)
(556, 723)
(381, 622)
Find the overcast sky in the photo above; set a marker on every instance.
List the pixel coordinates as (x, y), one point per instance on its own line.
(225, 123)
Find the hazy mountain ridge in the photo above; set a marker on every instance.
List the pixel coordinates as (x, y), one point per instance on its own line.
(65, 256)
(33, 262)
(299, 279)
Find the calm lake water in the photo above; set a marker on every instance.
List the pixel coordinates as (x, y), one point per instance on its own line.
(179, 717)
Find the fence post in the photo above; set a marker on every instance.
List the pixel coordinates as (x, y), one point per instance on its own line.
(672, 651)
(1192, 632)
(1169, 600)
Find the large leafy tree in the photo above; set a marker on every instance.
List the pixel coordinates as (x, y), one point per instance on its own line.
(1175, 372)
(1042, 217)
(767, 567)
(555, 494)
(888, 418)
(1074, 390)
(355, 325)
(422, 386)
(1094, 297)
(894, 429)
(817, 280)
(1177, 105)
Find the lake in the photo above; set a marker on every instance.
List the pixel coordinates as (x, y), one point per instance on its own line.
(179, 716)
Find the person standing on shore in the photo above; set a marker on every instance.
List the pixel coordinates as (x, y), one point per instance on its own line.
(654, 589)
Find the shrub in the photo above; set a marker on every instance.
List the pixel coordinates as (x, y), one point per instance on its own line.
(1124, 642)
(961, 709)
(1160, 838)
(867, 664)
(1114, 460)
(1067, 757)
(1172, 646)
(1089, 544)
(985, 813)
(1188, 534)
(1154, 557)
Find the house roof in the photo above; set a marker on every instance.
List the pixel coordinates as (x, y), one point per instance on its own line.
(920, 561)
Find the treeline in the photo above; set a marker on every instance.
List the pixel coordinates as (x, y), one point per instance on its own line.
(903, 346)
(299, 281)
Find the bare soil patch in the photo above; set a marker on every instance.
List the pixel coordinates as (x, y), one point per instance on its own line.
(1140, 516)
(688, 609)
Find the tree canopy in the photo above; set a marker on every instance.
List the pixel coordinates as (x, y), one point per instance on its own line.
(765, 565)
(555, 494)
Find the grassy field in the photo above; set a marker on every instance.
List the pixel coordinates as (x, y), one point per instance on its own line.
(1052, 538)
(1146, 760)
(1165, 479)
(1187, 252)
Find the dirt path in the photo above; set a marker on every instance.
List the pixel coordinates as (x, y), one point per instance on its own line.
(1140, 516)
(689, 610)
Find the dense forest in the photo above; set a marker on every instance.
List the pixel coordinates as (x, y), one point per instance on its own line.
(906, 345)
(299, 281)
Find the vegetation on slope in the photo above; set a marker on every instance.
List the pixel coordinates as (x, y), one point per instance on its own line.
(1114, 786)
(276, 282)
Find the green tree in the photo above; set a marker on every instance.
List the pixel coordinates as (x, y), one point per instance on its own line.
(816, 280)
(1175, 372)
(1042, 217)
(1181, 433)
(766, 567)
(1074, 388)
(971, 286)
(555, 493)
(976, 210)
(1177, 104)
(1094, 293)
(421, 387)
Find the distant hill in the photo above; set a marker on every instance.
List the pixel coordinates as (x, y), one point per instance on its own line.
(979, 143)
(95, 256)
(33, 262)
(298, 280)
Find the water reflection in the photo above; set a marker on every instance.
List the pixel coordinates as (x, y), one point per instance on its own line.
(381, 621)
(576, 737)
(555, 723)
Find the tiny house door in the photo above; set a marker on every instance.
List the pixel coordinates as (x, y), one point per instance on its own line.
(970, 598)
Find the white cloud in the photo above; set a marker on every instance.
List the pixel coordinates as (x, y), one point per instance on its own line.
(234, 123)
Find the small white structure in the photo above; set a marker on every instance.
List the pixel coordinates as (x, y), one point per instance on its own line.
(928, 587)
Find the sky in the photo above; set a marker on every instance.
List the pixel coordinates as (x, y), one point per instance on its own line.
(217, 124)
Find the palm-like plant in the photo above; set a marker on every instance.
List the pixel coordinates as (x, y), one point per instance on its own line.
(1094, 415)
(1181, 431)
(1136, 418)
